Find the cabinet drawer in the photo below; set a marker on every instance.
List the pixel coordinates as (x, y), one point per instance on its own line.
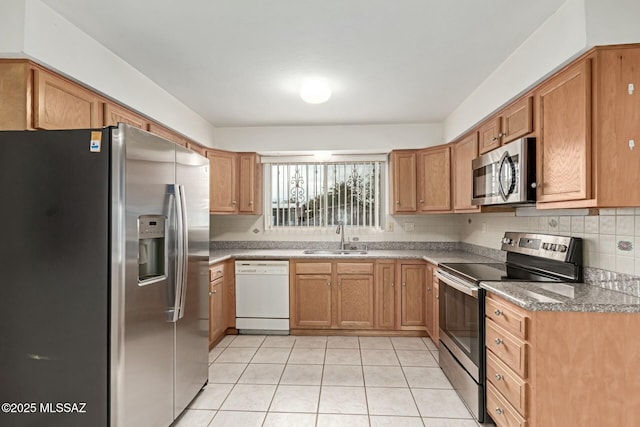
(501, 411)
(507, 317)
(313, 268)
(214, 285)
(512, 387)
(216, 271)
(508, 348)
(355, 268)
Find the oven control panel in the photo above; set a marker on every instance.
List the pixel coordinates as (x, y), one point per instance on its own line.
(560, 248)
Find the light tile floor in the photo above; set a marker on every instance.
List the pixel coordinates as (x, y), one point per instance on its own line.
(282, 381)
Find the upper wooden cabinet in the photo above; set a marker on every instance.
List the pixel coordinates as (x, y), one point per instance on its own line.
(223, 197)
(490, 134)
(463, 153)
(513, 122)
(249, 184)
(403, 181)
(114, 114)
(434, 179)
(168, 134)
(564, 139)
(235, 182)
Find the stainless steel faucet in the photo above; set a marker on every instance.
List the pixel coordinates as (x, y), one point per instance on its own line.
(340, 231)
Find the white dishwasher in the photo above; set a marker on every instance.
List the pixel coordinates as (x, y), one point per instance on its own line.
(262, 297)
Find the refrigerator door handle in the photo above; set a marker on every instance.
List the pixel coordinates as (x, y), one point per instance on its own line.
(174, 189)
(185, 249)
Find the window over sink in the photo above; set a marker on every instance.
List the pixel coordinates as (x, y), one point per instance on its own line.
(315, 195)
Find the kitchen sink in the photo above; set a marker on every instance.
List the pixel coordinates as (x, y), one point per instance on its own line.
(334, 252)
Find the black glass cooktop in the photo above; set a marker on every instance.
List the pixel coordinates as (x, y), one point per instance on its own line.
(496, 272)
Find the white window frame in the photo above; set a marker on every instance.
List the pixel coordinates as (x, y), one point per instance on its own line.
(380, 208)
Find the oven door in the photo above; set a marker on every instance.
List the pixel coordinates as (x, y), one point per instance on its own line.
(461, 321)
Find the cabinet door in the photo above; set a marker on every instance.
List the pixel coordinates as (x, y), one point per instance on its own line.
(114, 114)
(167, 134)
(617, 124)
(430, 301)
(385, 294)
(15, 96)
(490, 135)
(435, 179)
(229, 294)
(355, 301)
(413, 294)
(564, 140)
(60, 104)
(463, 154)
(517, 120)
(223, 178)
(436, 309)
(250, 184)
(217, 324)
(312, 301)
(403, 164)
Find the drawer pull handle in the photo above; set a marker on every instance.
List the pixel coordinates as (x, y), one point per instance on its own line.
(498, 313)
(499, 377)
(498, 341)
(499, 411)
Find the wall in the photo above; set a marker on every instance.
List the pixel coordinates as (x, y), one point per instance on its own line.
(54, 42)
(558, 40)
(358, 138)
(426, 228)
(601, 234)
(612, 22)
(12, 27)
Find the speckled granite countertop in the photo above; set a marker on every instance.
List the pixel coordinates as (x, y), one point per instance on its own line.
(577, 297)
(435, 257)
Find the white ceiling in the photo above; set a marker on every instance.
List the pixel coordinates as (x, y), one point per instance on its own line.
(239, 62)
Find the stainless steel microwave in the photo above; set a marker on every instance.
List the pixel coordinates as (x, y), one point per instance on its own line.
(506, 175)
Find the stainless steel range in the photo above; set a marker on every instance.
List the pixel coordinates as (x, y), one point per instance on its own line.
(530, 258)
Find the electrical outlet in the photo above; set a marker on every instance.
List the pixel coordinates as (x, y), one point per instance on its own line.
(408, 227)
(484, 227)
(390, 226)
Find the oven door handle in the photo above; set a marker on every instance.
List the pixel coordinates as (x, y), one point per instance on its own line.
(449, 280)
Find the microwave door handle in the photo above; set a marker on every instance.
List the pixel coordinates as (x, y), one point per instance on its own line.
(512, 182)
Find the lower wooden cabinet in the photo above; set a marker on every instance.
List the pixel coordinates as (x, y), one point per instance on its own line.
(222, 300)
(386, 295)
(413, 294)
(355, 296)
(217, 324)
(312, 301)
(432, 304)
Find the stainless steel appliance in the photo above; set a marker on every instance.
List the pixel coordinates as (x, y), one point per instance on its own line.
(262, 297)
(506, 175)
(531, 258)
(104, 269)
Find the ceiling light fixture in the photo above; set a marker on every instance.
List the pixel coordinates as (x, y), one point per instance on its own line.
(315, 91)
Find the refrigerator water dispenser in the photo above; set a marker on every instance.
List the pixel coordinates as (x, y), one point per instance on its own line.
(152, 254)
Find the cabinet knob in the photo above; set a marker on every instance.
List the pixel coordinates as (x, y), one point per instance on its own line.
(495, 138)
(498, 313)
(534, 185)
(215, 291)
(392, 284)
(233, 203)
(250, 202)
(499, 377)
(210, 293)
(499, 411)
(502, 134)
(328, 283)
(498, 341)
(397, 202)
(404, 283)
(429, 289)
(422, 201)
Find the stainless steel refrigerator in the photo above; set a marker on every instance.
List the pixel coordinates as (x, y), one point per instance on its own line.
(104, 250)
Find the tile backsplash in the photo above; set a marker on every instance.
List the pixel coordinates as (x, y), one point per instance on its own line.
(610, 238)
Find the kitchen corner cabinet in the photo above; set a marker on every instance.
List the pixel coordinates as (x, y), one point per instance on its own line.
(434, 179)
(235, 182)
(386, 294)
(403, 186)
(574, 375)
(463, 153)
(413, 294)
